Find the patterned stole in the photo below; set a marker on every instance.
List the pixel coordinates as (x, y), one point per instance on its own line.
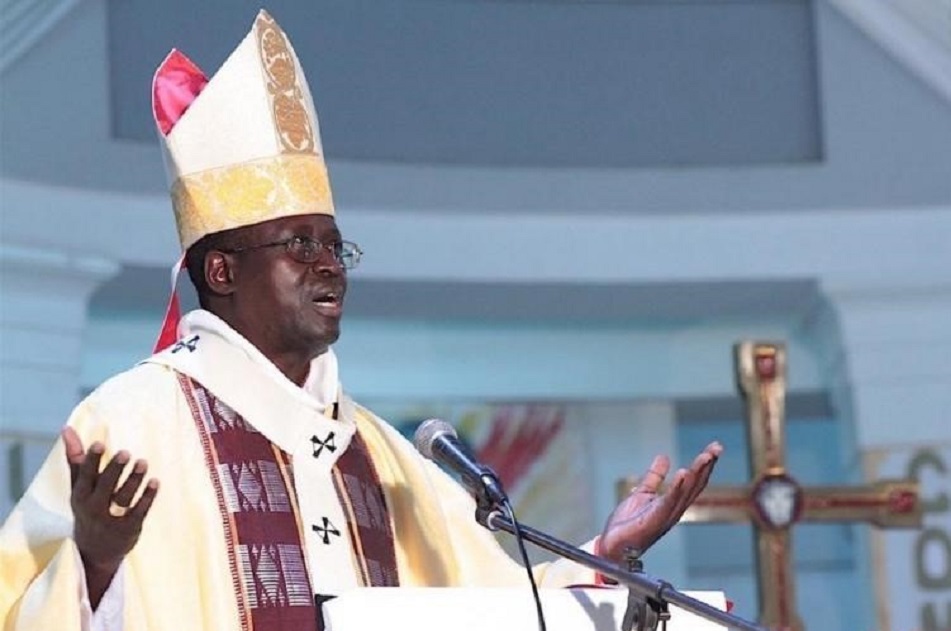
(254, 483)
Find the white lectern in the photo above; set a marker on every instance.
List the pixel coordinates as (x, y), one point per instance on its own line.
(496, 609)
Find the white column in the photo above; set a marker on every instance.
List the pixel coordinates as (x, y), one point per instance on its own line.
(892, 371)
(43, 304)
(896, 363)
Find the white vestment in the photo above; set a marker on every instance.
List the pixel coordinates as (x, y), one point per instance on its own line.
(178, 575)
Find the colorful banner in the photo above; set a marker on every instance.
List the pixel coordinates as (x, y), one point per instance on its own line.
(538, 451)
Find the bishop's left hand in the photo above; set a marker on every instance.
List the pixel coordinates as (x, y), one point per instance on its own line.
(644, 516)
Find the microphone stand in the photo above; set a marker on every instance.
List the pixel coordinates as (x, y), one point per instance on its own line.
(647, 598)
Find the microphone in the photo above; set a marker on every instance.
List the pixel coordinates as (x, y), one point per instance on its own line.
(437, 440)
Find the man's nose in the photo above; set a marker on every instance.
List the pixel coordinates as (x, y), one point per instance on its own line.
(327, 261)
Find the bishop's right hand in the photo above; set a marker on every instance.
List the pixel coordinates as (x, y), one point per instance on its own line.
(107, 523)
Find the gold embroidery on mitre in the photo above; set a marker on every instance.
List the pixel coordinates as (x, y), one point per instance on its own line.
(291, 120)
(249, 193)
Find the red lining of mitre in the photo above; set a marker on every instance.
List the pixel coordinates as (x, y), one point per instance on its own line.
(175, 86)
(168, 333)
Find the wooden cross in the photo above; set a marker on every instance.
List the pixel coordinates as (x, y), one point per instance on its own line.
(774, 501)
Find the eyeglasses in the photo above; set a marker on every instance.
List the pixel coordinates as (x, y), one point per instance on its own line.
(306, 250)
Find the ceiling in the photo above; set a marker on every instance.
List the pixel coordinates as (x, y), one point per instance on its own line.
(509, 108)
(525, 84)
(588, 108)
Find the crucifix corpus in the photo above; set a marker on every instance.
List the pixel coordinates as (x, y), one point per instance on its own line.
(774, 501)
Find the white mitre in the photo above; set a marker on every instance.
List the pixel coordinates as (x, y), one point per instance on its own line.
(243, 147)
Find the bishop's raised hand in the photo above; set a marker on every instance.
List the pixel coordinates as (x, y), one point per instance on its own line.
(107, 523)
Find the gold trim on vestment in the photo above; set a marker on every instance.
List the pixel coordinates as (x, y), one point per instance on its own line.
(291, 120)
(249, 193)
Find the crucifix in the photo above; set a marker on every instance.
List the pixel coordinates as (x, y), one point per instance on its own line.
(774, 501)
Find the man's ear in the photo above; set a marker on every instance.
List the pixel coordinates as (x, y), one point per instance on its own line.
(219, 272)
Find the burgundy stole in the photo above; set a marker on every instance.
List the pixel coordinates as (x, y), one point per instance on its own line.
(368, 519)
(254, 484)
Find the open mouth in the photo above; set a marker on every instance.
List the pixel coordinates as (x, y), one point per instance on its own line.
(329, 304)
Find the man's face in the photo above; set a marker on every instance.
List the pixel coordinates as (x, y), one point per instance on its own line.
(284, 306)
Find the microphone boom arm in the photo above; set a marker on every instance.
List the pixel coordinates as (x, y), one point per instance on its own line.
(653, 591)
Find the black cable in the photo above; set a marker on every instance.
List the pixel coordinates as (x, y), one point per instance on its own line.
(528, 566)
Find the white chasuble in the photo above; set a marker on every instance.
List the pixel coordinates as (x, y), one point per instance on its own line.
(178, 576)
